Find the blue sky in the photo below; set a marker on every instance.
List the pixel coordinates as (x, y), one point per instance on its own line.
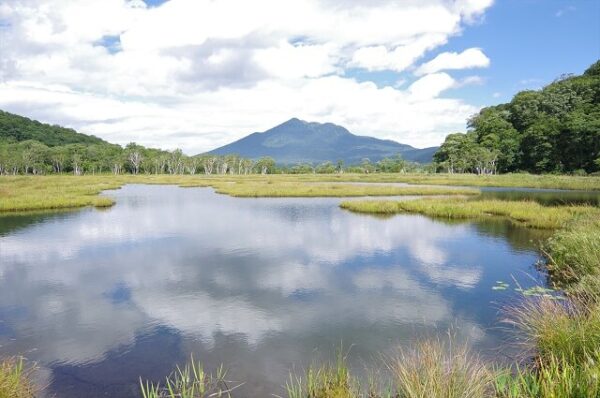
(530, 43)
(198, 74)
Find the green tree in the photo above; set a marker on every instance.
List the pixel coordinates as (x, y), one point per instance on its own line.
(266, 165)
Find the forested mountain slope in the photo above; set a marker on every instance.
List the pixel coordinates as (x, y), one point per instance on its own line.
(18, 128)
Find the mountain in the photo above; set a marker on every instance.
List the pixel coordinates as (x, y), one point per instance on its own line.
(297, 141)
(18, 128)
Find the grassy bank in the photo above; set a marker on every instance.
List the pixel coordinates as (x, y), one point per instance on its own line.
(429, 369)
(525, 213)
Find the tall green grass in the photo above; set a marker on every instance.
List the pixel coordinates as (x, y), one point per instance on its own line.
(325, 381)
(435, 369)
(574, 252)
(554, 378)
(565, 329)
(15, 379)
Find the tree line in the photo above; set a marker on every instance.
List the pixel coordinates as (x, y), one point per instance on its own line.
(34, 157)
(30, 147)
(552, 130)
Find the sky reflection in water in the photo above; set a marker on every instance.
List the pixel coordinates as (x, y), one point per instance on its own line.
(101, 297)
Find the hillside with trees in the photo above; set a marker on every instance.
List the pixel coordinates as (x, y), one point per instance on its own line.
(18, 128)
(552, 130)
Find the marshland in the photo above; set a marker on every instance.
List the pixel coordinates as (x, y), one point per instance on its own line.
(207, 242)
(297, 286)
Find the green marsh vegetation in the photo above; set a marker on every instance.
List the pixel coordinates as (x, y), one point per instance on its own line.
(15, 379)
(190, 381)
(525, 213)
(560, 339)
(26, 193)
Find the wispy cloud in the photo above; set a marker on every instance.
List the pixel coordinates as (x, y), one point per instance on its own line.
(564, 11)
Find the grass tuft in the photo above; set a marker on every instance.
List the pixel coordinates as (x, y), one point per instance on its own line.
(15, 379)
(191, 381)
(565, 329)
(434, 369)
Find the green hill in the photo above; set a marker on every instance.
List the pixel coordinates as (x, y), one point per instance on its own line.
(18, 128)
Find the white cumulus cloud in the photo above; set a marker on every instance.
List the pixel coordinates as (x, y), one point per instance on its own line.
(470, 58)
(199, 73)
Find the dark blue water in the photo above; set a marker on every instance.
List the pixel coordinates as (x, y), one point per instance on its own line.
(265, 286)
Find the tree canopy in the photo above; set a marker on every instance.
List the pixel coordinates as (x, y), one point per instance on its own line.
(18, 128)
(555, 129)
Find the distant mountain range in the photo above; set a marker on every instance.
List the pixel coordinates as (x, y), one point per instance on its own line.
(297, 141)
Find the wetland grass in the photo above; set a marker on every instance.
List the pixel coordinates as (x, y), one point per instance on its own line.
(289, 189)
(511, 180)
(434, 369)
(574, 252)
(23, 193)
(15, 379)
(189, 381)
(525, 213)
(562, 337)
(27, 193)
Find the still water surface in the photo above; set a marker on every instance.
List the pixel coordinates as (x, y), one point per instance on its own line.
(101, 297)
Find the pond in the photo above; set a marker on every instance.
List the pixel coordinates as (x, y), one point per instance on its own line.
(99, 298)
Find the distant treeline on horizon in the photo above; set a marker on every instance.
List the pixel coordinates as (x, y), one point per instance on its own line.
(552, 130)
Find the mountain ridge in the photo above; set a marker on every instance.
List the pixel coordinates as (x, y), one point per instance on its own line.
(298, 141)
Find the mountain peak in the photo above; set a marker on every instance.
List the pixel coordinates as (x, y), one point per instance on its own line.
(299, 141)
(293, 122)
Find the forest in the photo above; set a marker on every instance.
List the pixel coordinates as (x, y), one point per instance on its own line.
(552, 130)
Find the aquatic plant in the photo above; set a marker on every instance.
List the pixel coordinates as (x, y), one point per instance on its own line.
(191, 381)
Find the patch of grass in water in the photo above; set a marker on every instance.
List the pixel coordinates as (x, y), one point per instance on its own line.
(525, 213)
(190, 381)
(26, 193)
